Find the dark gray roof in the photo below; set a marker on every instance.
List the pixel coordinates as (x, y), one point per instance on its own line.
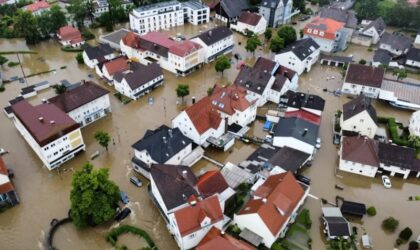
(378, 24)
(413, 54)
(394, 155)
(297, 128)
(382, 56)
(214, 35)
(364, 75)
(289, 159)
(263, 153)
(348, 17)
(358, 105)
(162, 143)
(301, 100)
(338, 226)
(140, 74)
(396, 41)
(353, 208)
(99, 52)
(253, 79)
(233, 8)
(175, 184)
(302, 48)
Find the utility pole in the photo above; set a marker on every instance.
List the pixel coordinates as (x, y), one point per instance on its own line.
(21, 68)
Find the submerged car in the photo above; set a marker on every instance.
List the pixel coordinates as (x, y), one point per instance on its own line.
(124, 197)
(136, 181)
(3, 151)
(386, 181)
(123, 214)
(318, 143)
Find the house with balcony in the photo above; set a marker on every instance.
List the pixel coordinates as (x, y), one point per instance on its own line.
(363, 79)
(328, 33)
(374, 29)
(108, 69)
(228, 11)
(277, 12)
(348, 17)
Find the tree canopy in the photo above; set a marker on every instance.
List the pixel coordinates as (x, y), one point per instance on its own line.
(102, 138)
(222, 63)
(299, 4)
(268, 34)
(182, 90)
(94, 198)
(367, 9)
(59, 88)
(252, 43)
(26, 26)
(277, 44)
(288, 33)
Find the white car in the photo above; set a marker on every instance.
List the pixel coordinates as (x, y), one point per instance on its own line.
(3, 151)
(318, 143)
(386, 181)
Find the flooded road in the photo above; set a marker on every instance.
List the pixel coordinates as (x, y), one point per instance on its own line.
(45, 195)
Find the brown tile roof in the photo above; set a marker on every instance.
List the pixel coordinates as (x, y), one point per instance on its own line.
(210, 183)
(6, 186)
(249, 18)
(360, 149)
(277, 198)
(132, 40)
(189, 219)
(116, 65)
(358, 105)
(45, 122)
(79, 96)
(230, 99)
(365, 75)
(203, 115)
(215, 240)
(69, 33)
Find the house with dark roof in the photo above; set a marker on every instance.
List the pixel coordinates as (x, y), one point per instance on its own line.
(51, 133)
(381, 57)
(217, 239)
(99, 54)
(363, 79)
(272, 207)
(296, 133)
(300, 55)
(160, 146)
(138, 80)
(395, 44)
(359, 117)
(277, 12)
(215, 42)
(8, 195)
(413, 57)
(399, 160)
(70, 36)
(335, 225)
(348, 17)
(374, 29)
(250, 22)
(295, 101)
(329, 34)
(228, 11)
(85, 103)
(267, 80)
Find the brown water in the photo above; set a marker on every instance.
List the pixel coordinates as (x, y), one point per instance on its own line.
(45, 195)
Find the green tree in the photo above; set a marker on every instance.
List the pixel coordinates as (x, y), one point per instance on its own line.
(277, 44)
(57, 18)
(288, 33)
(94, 198)
(362, 61)
(80, 10)
(79, 58)
(400, 73)
(182, 91)
(222, 63)
(26, 26)
(405, 234)
(210, 91)
(3, 60)
(390, 224)
(268, 34)
(414, 141)
(59, 88)
(323, 2)
(252, 43)
(367, 9)
(299, 4)
(102, 138)
(254, 2)
(371, 211)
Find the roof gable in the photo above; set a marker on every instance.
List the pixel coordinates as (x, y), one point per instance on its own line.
(364, 75)
(360, 149)
(204, 116)
(357, 106)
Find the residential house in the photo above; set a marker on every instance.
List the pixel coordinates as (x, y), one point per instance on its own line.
(195, 12)
(295, 101)
(215, 42)
(70, 37)
(417, 40)
(108, 69)
(139, 80)
(272, 207)
(52, 134)
(335, 225)
(299, 56)
(99, 54)
(160, 146)
(298, 132)
(395, 44)
(178, 57)
(236, 175)
(363, 79)
(5, 2)
(218, 239)
(37, 7)
(228, 11)
(381, 57)
(250, 22)
(85, 104)
(267, 80)
(8, 194)
(348, 17)
(102, 6)
(359, 117)
(277, 12)
(413, 57)
(394, 159)
(374, 29)
(401, 93)
(414, 125)
(328, 33)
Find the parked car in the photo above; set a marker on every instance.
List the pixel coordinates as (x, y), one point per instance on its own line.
(304, 18)
(136, 181)
(123, 214)
(336, 139)
(303, 179)
(124, 197)
(268, 138)
(386, 181)
(318, 143)
(3, 151)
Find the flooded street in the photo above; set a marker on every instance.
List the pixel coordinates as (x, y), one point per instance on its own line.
(45, 195)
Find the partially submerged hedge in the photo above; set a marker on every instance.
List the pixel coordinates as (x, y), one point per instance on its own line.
(112, 236)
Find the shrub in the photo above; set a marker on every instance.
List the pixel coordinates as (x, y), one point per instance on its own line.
(87, 34)
(398, 242)
(405, 234)
(304, 218)
(79, 58)
(2, 88)
(390, 224)
(277, 246)
(233, 229)
(413, 245)
(113, 235)
(362, 61)
(370, 49)
(371, 211)
(13, 64)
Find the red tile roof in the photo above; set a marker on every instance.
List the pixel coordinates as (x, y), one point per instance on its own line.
(212, 182)
(329, 26)
(249, 18)
(5, 184)
(45, 122)
(117, 65)
(159, 38)
(203, 115)
(37, 5)
(360, 149)
(304, 115)
(230, 99)
(184, 48)
(69, 33)
(189, 219)
(215, 240)
(132, 40)
(279, 192)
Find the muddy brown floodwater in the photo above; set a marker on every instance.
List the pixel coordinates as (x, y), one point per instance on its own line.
(45, 195)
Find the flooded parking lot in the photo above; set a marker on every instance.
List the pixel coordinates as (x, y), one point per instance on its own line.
(45, 195)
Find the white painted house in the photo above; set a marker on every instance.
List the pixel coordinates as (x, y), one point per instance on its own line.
(359, 116)
(37, 7)
(374, 29)
(99, 54)
(329, 34)
(363, 79)
(417, 40)
(277, 12)
(108, 69)
(70, 37)
(85, 104)
(52, 134)
(249, 21)
(299, 56)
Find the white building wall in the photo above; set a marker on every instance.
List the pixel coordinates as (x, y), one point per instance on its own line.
(293, 143)
(391, 49)
(258, 29)
(91, 111)
(325, 45)
(357, 168)
(254, 223)
(413, 63)
(211, 50)
(361, 123)
(355, 89)
(372, 32)
(241, 118)
(123, 87)
(396, 170)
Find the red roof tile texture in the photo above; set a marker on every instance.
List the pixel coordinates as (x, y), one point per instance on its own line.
(212, 182)
(304, 115)
(328, 26)
(215, 240)
(249, 18)
(117, 65)
(203, 115)
(37, 5)
(230, 99)
(184, 48)
(69, 33)
(6, 186)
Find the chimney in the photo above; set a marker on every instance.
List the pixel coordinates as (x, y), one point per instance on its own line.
(264, 200)
(305, 132)
(164, 139)
(210, 32)
(222, 232)
(170, 133)
(83, 81)
(41, 119)
(184, 173)
(44, 100)
(52, 122)
(193, 99)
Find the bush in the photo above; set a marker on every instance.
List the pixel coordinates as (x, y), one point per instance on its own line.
(390, 224)
(13, 64)
(113, 235)
(88, 35)
(79, 58)
(413, 245)
(233, 229)
(371, 211)
(405, 234)
(277, 246)
(398, 242)
(362, 61)
(304, 218)
(2, 88)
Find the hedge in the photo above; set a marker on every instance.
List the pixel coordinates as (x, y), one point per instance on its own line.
(18, 52)
(393, 131)
(112, 236)
(304, 218)
(69, 49)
